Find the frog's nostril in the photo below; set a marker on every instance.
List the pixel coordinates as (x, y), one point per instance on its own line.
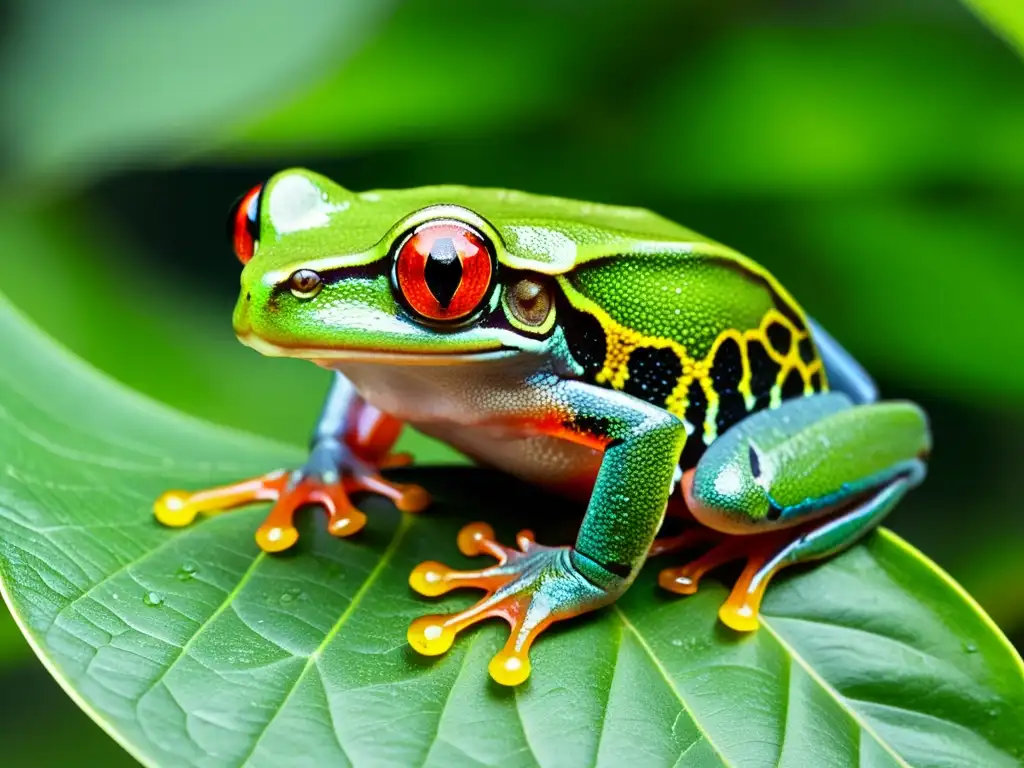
(248, 297)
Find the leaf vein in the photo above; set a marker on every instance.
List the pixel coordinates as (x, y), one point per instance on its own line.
(403, 526)
(668, 681)
(841, 700)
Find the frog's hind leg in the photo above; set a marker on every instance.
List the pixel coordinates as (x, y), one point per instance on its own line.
(831, 536)
(798, 484)
(766, 554)
(350, 446)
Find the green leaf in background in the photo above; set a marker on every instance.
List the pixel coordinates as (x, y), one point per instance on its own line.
(12, 644)
(515, 64)
(90, 85)
(476, 87)
(192, 648)
(915, 285)
(1006, 17)
(834, 110)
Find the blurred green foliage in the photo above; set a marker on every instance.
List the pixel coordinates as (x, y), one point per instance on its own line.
(90, 85)
(1004, 16)
(869, 152)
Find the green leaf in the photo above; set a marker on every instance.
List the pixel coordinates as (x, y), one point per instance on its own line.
(192, 648)
(90, 84)
(1006, 17)
(482, 79)
(408, 62)
(820, 110)
(906, 256)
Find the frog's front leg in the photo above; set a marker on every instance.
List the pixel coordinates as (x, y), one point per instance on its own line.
(795, 484)
(535, 585)
(350, 445)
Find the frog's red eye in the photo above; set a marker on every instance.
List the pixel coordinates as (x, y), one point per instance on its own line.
(244, 224)
(444, 270)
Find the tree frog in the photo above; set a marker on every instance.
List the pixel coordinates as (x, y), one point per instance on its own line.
(589, 349)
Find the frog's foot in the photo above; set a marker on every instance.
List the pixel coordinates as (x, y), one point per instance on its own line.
(330, 477)
(530, 587)
(740, 610)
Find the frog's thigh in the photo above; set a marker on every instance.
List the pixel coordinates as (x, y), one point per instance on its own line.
(811, 477)
(808, 458)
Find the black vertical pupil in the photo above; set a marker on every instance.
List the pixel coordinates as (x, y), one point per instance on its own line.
(443, 271)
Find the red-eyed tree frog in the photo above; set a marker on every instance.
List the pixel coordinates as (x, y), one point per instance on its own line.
(588, 349)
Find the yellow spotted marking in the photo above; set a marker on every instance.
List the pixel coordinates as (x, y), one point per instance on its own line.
(622, 342)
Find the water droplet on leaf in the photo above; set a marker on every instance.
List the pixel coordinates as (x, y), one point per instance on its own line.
(153, 598)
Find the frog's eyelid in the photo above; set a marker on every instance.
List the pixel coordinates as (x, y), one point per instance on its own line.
(244, 223)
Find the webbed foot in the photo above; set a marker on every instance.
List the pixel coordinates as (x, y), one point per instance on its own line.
(530, 587)
(332, 474)
(740, 610)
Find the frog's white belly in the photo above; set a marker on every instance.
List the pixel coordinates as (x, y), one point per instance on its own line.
(473, 409)
(546, 461)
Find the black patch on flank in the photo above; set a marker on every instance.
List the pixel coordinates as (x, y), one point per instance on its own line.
(585, 337)
(807, 352)
(727, 367)
(755, 461)
(780, 338)
(696, 412)
(790, 314)
(817, 381)
(762, 401)
(773, 513)
(653, 374)
(764, 371)
(731, 408)
(592, 424)
(443, 271)
(793, 385)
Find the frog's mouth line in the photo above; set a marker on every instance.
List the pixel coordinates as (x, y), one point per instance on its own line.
(326, 357)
